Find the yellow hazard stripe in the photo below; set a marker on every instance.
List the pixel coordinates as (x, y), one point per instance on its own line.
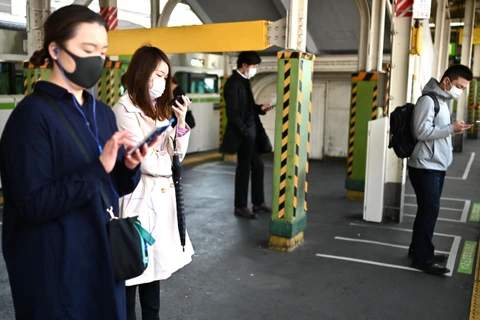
(375, 103)
(351, 137)
(284, 145)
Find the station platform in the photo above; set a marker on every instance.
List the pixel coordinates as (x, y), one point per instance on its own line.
(346, 269)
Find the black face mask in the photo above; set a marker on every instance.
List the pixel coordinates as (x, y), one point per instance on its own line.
(87, 72)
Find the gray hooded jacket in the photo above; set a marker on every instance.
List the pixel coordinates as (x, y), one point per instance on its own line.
(434, 147)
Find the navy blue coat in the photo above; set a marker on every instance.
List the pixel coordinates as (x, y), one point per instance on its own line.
(54, 235)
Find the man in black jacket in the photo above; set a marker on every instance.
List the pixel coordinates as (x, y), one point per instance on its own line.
(241, 135)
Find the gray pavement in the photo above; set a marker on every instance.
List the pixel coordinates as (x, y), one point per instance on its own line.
(346, 269)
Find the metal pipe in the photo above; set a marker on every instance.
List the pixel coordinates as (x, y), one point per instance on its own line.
(439, 39)
(154, 12)
(167, 12)
(376, 35)
(364, 11)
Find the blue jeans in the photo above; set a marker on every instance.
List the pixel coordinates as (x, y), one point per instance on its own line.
(428, 186)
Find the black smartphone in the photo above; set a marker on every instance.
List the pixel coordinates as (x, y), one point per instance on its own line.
(151, 136)
(179, 99)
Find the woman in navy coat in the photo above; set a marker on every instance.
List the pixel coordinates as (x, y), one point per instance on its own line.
(55, 224)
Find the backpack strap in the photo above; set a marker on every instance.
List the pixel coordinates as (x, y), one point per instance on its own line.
(436, 107)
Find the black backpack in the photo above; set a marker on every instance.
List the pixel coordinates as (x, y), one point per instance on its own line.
(401, 136)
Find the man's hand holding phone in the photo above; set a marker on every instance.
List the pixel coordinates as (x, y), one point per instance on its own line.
(267, 107)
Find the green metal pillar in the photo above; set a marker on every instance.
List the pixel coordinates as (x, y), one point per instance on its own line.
(110, 84)
(364, 107)
(292, 147)
(472, 109)
(32, 74)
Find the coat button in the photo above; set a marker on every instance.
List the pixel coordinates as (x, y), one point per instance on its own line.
(171, 185)
(163, 190)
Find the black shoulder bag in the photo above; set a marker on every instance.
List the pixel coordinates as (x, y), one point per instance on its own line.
(127, 238)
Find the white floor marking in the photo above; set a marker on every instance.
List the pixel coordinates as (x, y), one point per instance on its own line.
(441, 208)
(453, 255)
(382, 244)
(398, 229)
(469, 166)
(214, 171)
(442, 198)
(394, 266)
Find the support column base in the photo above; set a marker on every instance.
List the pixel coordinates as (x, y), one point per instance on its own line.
(285, 244)
(457, 141)
(355, 195)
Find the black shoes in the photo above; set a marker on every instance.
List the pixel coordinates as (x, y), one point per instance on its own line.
(261, 208)
(245, 213)
(438, 258)
(430, 267)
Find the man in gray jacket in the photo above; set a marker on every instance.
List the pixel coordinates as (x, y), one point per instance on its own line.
(429, 162)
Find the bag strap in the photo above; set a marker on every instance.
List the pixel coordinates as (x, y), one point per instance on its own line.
(436, 104)
(79, 144)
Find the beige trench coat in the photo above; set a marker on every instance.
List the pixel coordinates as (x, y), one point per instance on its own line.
(154, 198)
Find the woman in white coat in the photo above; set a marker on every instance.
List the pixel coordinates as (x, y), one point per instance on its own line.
(144, 106)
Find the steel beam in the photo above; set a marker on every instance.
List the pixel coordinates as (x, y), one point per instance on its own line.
(235, 36)
(297, 25)
(37, 13)
(438, 61)
(167, 12)
(364, 11)
(376, 36)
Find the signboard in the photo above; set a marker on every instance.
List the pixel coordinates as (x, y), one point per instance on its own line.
(403, 8)
(452, 49)
(476, 36)
(421, 9)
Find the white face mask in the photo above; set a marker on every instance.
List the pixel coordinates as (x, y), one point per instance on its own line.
(252, 72)
(158, 88)
(454, 92)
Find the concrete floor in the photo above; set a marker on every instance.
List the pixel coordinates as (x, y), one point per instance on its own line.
(234, 276)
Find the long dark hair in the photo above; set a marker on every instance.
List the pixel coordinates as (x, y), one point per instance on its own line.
(61, 26)
(144, 62)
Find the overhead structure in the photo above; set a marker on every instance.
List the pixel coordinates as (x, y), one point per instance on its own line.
(235, 36)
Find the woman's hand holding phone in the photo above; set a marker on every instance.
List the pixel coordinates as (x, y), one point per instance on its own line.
(181, 110)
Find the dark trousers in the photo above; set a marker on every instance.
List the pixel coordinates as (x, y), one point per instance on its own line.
(149, 300)
(249, 163)
(428, 186)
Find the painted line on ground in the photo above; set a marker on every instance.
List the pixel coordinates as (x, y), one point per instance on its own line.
(398, 229)
(442, 198)
(200, 158)
(394, 266)
(438, 219)
(214, 171)
(467, 257)
(469, 166)
(386, 244)
(441, 208)
(452, 257)
(475, 213)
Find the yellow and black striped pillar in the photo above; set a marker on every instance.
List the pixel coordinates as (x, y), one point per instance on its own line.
(291, 151)
(109, 85)
(32, 74)
(364, 107)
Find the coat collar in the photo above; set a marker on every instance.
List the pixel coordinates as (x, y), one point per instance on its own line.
(128, 104)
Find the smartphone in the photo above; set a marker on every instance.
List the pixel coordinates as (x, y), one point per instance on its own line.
(179, 99)
(469, 123)
(152, 136)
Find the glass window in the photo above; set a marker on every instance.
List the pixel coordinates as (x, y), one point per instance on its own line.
(197, 82)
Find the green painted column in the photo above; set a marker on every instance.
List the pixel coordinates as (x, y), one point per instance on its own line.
(472, 108)
(292, 147)
(364, 107)
(32, 74)
(110, 84)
